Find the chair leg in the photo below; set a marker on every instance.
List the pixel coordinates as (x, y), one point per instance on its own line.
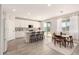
(60, 44)
(68, 43)
(65, 44)
(71, 44)
(54, 42)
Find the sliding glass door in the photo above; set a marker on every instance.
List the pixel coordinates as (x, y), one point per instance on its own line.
(47, 28)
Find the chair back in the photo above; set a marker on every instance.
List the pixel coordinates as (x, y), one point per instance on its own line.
(71, 38)
(32, 33)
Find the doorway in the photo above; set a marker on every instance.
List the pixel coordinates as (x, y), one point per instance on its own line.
(47, 28)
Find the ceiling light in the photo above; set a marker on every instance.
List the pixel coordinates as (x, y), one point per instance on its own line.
(13, 10)
(49, 5)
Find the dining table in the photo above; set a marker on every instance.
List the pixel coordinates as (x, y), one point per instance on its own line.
(63, 39)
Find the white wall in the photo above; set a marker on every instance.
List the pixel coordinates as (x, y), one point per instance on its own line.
(10, 27)
(78, 27)
(74, 26)
(1, 36)
(59, 25)
(2, 30)
(53, 25)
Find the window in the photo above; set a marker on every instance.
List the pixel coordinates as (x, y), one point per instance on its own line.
(47, 26)
(65, 25)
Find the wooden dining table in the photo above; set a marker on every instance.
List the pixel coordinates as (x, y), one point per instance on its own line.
(63, 39)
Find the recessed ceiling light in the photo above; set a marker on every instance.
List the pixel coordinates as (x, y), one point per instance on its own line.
(13, 10)
(49, 5)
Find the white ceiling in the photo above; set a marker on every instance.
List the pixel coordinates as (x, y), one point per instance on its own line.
(40, 11)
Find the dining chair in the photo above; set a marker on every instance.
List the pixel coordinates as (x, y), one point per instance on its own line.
(42, 35)
(69, 41)
(32, 37)
(57, 39)
(38, 36)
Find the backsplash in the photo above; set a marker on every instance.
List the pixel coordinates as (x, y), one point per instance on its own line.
(20, 29)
